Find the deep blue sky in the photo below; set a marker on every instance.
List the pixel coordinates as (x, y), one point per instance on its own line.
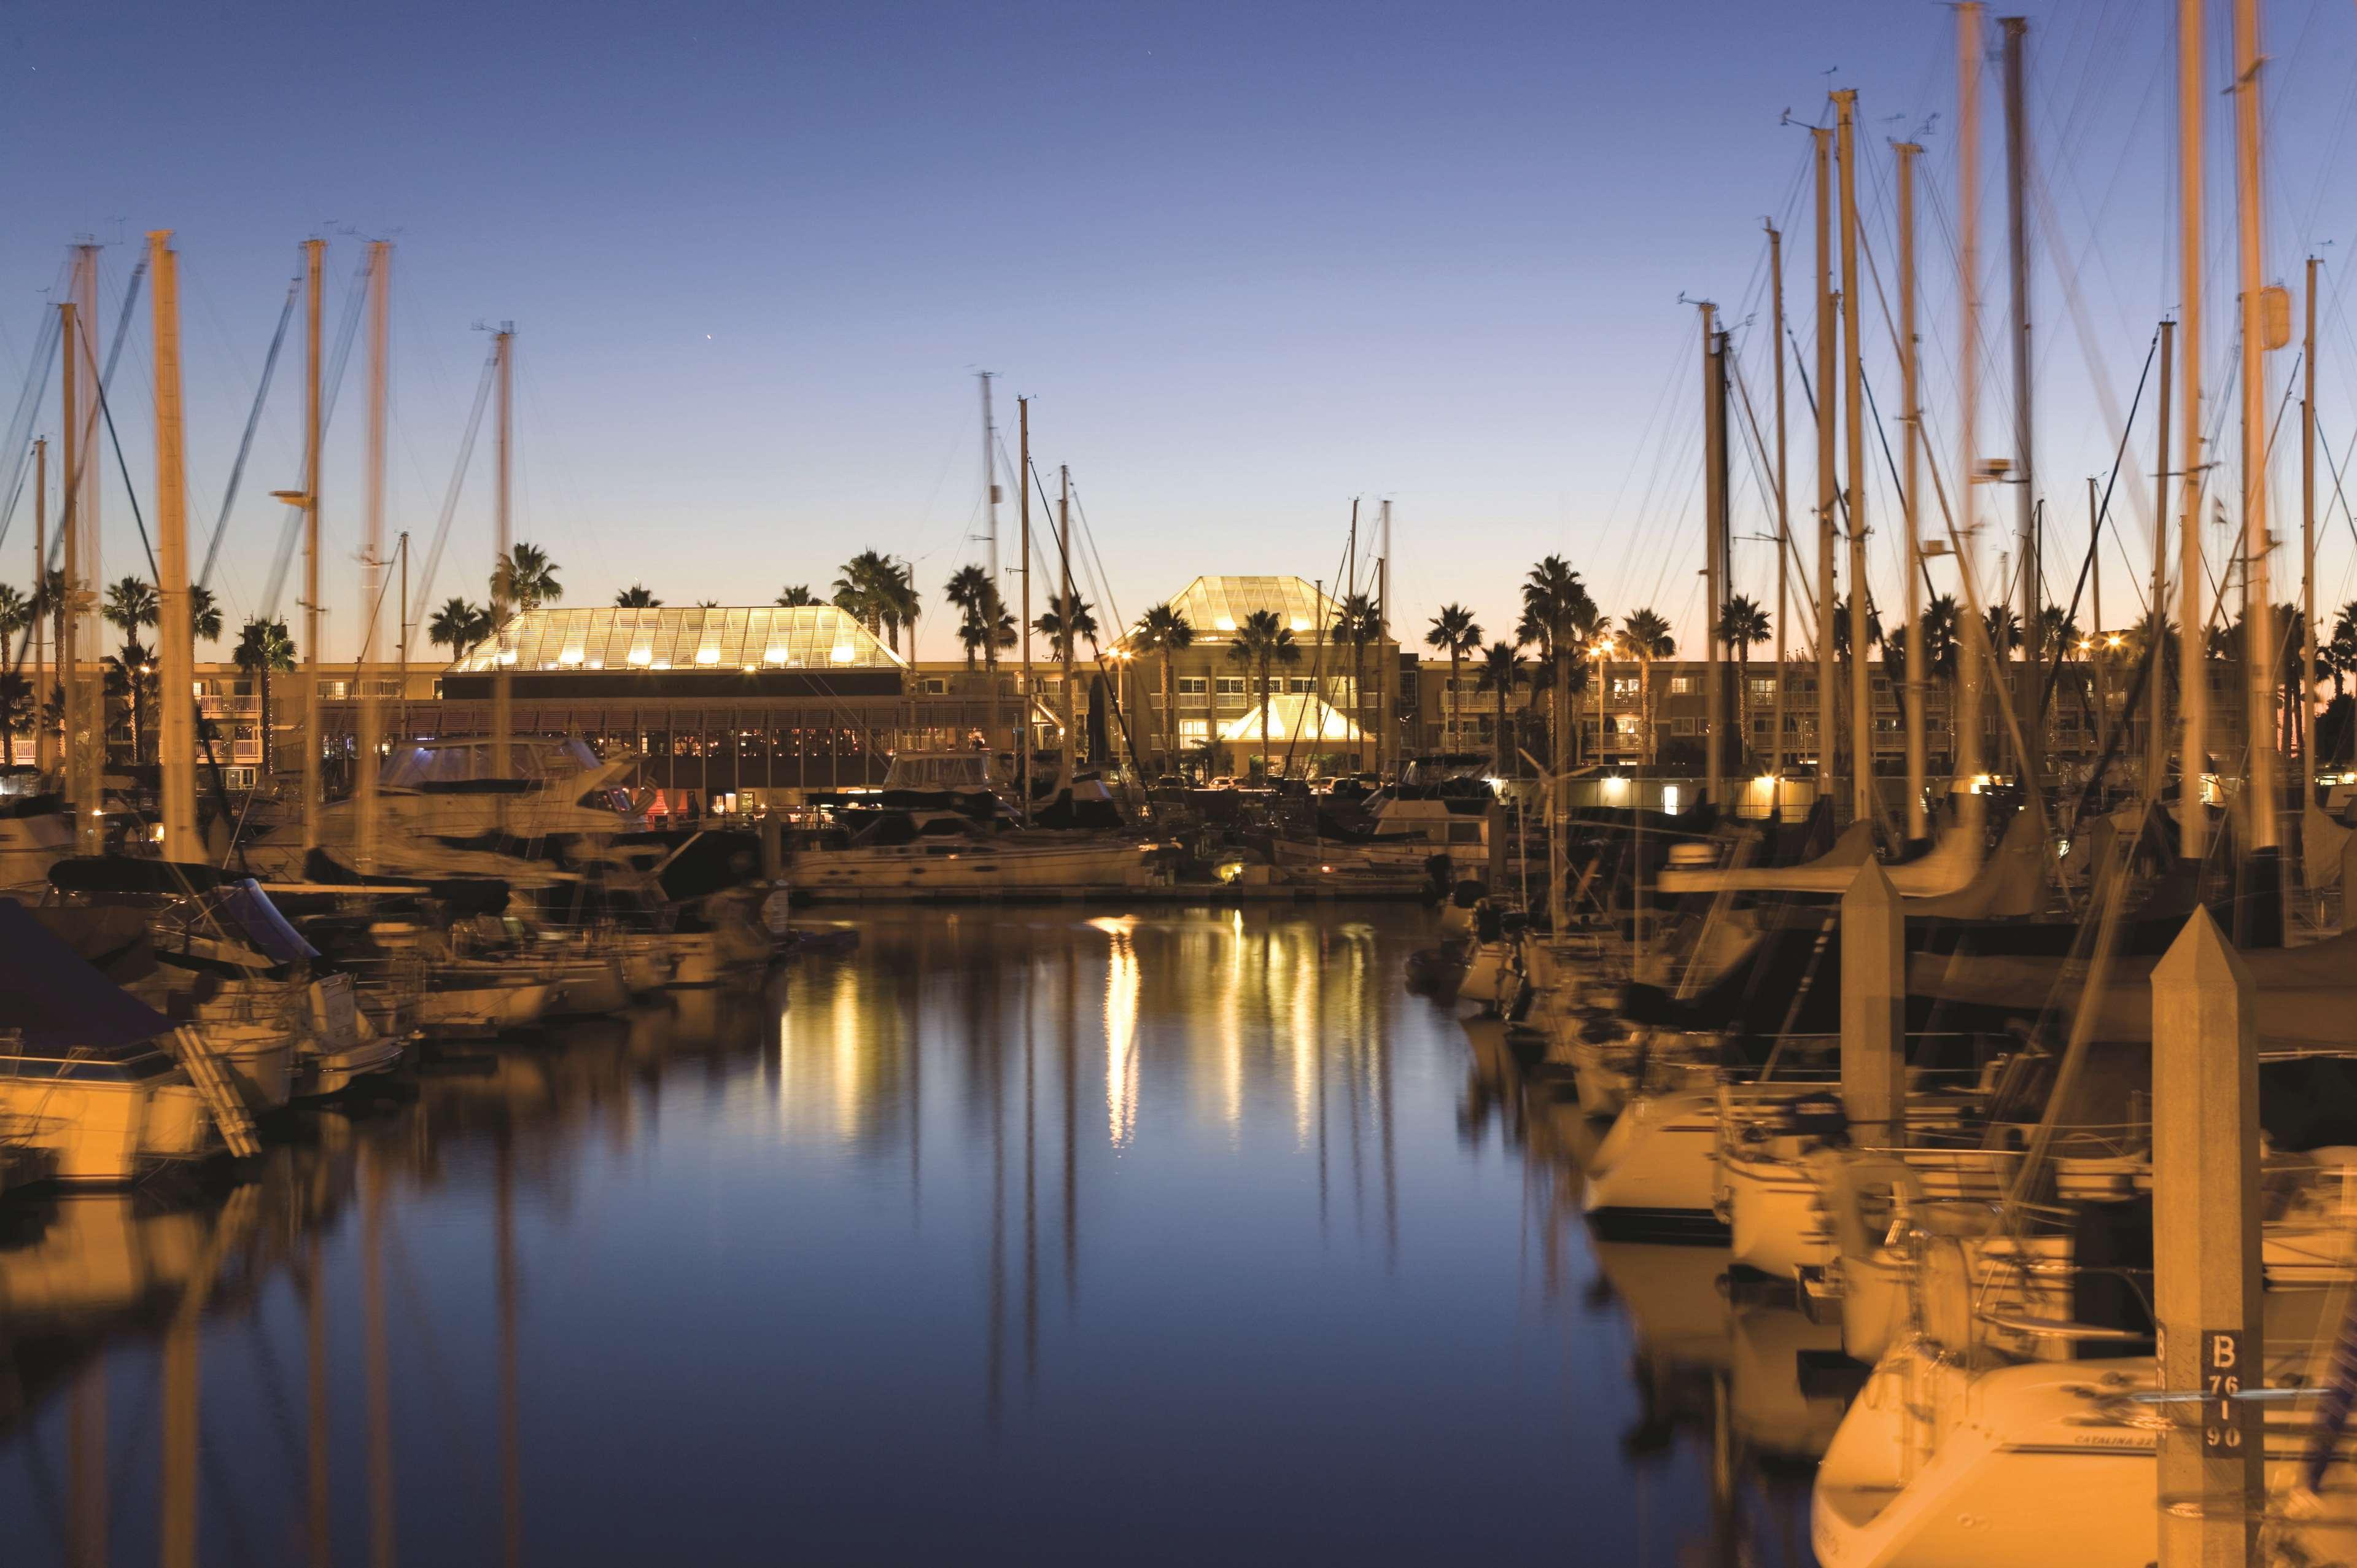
(1250, 261)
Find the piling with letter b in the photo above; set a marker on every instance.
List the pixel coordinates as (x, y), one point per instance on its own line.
(2205, 1228)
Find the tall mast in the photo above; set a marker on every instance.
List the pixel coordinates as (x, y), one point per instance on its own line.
(175, 654)
(70, 645)
(504, 541)
(87, 691)
(1064, 617)
(1974, 655)
(990, 506)
(1359, 698)
(2096, 653)
(1783, 528)
(1826, 498)
(42, 609)
(2307, 554)
(1023, 502)
(314, 274)
(1387, 681)
(2155, 739)
(1714, 426)
(2016, 185)
(1917, 675)
(2193, 676)
(372, 718)
(2261, 655)
(401, 652)
(1861, 687)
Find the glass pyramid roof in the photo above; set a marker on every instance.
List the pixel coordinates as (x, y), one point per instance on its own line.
(812, 637)
(1215, 607)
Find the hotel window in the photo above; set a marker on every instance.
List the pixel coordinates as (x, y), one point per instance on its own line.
(1624, 687)
(1232, 691)
(1301, 685)
(1194, 732)
(936, 685)
(1682, 685)
(1684, 727)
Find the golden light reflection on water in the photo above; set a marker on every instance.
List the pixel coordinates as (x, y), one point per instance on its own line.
(1122, 981)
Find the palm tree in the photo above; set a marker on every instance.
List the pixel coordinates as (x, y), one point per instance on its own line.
(264, 648)
(523, 580)
(636, 597)
(1165, 629)
(130, 605)
(796, 596)
(1743, 626)
(1050, 621)
(1500, 672)
(16, 611)
(1261, 642)
(1455, 633)
(130, 675)
(971, 591)
(204, 614)
(1648, 632)
(1358, 622)
(17, 711)
(51, 598)
(457, 626)
(1556, 603)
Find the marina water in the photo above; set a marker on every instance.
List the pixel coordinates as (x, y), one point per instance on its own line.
(1017, 1234)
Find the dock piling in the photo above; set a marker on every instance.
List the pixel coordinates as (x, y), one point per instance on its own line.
(1873, 1005)
(2205, 1227)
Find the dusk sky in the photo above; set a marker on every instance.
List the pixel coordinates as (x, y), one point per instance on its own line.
(1249, 261)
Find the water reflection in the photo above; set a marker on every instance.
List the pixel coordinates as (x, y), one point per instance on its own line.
(1730, 1374)
(864, 1252)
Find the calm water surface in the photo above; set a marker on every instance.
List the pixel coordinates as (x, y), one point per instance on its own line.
(1019, 1235)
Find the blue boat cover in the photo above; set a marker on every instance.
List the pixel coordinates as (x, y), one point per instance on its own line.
(55, 1000)
(245, 905)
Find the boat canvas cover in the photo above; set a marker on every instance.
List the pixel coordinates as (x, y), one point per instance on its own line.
(246, 907)
(56, 1003)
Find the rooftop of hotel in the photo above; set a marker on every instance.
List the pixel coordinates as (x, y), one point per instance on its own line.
(1216, 607)
(810, 637)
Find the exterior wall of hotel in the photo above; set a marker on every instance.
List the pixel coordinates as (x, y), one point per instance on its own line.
(2075, 732)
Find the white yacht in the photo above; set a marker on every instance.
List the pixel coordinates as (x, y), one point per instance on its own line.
(444, 809)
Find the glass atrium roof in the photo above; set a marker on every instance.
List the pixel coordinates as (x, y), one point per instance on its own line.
(812, 637)
(1215, 607)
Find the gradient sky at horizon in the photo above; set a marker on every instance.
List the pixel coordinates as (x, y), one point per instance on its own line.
(1250, 262)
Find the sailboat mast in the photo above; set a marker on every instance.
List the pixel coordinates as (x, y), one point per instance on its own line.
(2155, 741)
(1714, 426)
(1861, 689)
(2096, 649)
(502, 543)
(2308, 553)
(1826, 498)
(88, 697)
(176, 654)
(2193, 681)
(1783, 528)
(42, 609)
(372, 719)
(1350, 627)
(1974, 655)
(1387, 681)
(1919, 825)
(69, 649)
(2025, 477)
(988, 611)
(1023, 503)
(314, 283)
(2262, 657)
(1064, 614)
